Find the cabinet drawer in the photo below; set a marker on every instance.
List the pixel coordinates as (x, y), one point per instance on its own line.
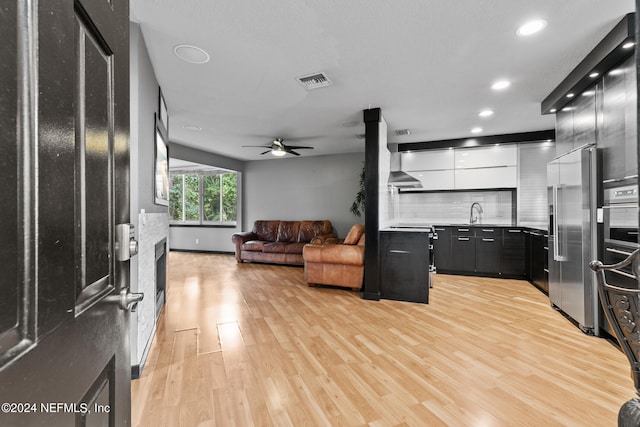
(464, 231)
(488, 232)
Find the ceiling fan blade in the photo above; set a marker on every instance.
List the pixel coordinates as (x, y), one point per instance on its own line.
(258, 146)
(292, 152)
(299, 147)
(302, 138)
(265, 152)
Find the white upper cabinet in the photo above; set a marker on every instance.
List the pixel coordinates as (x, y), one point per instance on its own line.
(481, 178)
(427, 160)
(463, 168)
(486, 157)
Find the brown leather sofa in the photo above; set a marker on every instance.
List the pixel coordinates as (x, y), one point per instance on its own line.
(337, 262)
(280, 241)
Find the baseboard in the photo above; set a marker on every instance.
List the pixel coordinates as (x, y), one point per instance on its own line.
(136, 370)
(199, 251)
(371, 296)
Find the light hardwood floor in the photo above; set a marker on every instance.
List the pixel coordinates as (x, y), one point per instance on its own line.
(252, 345)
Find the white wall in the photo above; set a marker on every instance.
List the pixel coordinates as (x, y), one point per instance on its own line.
(318, 187)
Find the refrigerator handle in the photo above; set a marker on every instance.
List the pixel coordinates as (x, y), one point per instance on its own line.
(556, 220)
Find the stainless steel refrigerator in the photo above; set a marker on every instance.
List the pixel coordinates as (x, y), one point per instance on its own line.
(572, 185)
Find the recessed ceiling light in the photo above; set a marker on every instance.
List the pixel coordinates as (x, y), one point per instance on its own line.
(476, 130)
(570, 95)
(628, 45)
(501, 84)
(191, 127)
(531, 27)
(567, 109)
(553, 110)
(589, 93)
(485, 113)
(616, 72)
(191, 54)
(594, 75)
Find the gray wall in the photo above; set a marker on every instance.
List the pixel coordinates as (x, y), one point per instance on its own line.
(318, 187)
(144, 103)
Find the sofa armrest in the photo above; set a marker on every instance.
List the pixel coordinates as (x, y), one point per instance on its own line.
(321, 239)
(334, 254)
(239, 238)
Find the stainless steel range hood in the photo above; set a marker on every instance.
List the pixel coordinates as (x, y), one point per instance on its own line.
(399, 178)
(403, 180)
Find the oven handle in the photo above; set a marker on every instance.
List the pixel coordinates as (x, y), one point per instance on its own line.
(620, 206)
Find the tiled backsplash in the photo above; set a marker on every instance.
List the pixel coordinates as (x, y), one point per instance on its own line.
(454, 207)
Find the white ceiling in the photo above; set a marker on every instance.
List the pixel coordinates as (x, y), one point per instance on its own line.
(428, 64)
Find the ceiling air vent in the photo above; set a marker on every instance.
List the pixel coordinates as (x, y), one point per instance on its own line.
(314, 81)
(401, 132)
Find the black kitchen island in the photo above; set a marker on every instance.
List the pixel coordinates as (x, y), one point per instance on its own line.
(406, 260)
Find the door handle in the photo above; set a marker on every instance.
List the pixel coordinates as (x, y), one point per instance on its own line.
(129, 300)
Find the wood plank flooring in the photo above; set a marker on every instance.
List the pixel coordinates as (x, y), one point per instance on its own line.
(252, 345)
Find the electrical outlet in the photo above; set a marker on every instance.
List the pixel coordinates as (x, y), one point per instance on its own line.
(197, 241)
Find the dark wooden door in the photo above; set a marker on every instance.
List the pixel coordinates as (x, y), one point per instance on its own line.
(64, 125)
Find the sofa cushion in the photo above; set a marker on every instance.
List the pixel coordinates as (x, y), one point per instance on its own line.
(354, 234)
(253, 245)
(294, 248)
(266, 230)
(310, 229)
(288, 231)
(275, 247)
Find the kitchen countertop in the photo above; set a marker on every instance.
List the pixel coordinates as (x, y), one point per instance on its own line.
(424, 227)
(417, 229)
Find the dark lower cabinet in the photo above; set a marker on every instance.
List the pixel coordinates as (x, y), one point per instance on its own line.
(539, 261)
(488, 254)
(442, 249)
(404, 273)
(463, 253)
(513, 253)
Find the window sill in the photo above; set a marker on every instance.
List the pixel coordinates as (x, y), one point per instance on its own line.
(204, 225)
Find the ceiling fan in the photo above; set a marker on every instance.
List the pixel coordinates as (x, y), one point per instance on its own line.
(279, 148)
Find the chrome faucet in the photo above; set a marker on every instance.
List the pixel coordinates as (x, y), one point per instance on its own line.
(473, 220)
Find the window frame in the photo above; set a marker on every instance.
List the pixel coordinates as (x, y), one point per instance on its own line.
(201, 221)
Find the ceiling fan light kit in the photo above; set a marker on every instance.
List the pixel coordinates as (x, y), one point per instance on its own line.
(279, 148)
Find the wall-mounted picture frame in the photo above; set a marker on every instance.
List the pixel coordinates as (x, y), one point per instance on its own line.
(162, 112)
(161, 167)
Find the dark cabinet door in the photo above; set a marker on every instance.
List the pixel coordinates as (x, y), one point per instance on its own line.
(463, 250)
(442, 249)
(488, 254)
(538, 254)
(527, 255)
(618, 129)
(405, 266)
(513, 252)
